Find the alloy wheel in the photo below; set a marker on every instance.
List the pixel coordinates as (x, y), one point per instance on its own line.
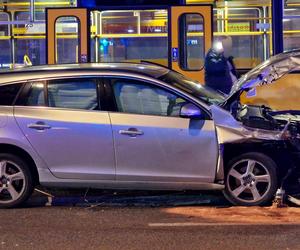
(248, 181)
(12, 182)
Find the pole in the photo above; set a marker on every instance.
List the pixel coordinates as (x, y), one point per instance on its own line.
(277, 26)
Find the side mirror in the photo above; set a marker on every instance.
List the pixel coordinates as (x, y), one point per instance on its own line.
(190, 110)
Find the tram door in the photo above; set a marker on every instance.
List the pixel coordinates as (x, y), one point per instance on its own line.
(67, 35)
(191, 37)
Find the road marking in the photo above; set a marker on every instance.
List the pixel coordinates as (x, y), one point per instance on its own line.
(193, 224)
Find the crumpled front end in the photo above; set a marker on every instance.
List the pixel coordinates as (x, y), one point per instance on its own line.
(230, 130)
(281, 143)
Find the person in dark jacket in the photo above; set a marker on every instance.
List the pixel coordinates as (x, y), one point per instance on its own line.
(220, 71)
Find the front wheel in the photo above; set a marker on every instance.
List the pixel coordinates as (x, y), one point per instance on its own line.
(250, 180)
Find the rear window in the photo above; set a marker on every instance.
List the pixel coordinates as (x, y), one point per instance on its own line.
(8, 93)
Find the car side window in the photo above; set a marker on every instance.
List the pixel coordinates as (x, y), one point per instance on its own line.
(36, 95)
(8, 93)
(73, 94)
(143, 98)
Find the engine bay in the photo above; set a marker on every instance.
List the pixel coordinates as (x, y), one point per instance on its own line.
(286, 122)
(258, 117)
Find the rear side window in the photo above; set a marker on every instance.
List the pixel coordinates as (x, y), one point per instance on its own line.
(36, 95)
(8, 93)
(73, 94)
(66, 93)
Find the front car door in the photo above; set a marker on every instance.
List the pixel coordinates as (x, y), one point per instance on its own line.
(63, 121)
(152, 141)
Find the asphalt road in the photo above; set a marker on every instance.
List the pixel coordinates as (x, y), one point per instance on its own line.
(141, 228)
(143, 220)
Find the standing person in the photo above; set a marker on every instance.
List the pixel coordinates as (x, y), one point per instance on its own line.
(220, 71)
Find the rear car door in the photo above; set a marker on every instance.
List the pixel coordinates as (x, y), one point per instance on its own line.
(63, 121)
(152, 141)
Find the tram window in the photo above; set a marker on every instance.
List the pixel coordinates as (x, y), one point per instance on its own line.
(95, 30)
(22, 16)
(4, 29)
(292, 11)
(67, 40)
(93, 49)
(124, 38)
(5, 42)
(27, 40)
(191, 41)
(154, 21)
(291, 24)
(119, 22)
(5, 58)
(134, 49)
(248, 47)
(247, 50)
(25, 16)
(35, 49)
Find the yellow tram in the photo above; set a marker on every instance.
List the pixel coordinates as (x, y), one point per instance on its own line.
(124, 34)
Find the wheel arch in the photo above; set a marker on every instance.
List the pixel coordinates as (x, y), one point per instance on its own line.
(276, 150)
(24, 155)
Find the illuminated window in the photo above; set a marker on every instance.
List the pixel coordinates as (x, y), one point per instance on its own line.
(5, 42)
(67, 40)
(291, 27)
(191, 50)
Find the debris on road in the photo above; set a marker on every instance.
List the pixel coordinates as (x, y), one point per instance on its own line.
(82, 198)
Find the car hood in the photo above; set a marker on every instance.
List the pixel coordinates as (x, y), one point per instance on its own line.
(266, 73)
(237, 123)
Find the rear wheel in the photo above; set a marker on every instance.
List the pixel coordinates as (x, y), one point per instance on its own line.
(16, 184)
(251, 180)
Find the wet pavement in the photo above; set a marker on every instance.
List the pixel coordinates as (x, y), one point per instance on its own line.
(110, 219)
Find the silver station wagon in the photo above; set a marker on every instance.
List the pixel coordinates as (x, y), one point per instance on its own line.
(133, 126)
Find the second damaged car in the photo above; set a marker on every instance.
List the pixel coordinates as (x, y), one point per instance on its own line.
(141, 126)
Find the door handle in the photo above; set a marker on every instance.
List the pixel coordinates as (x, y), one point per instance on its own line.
(133, 132)
(39, 126)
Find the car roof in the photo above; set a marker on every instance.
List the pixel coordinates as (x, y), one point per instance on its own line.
(44, 71)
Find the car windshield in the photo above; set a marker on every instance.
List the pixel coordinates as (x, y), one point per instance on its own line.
(193, 87)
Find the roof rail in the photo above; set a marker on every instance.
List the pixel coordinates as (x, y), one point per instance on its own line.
(153, 63)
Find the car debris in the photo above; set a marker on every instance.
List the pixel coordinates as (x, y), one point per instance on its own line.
(48, 195)
(91, 199)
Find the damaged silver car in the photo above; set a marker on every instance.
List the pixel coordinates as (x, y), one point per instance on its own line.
(141, 126)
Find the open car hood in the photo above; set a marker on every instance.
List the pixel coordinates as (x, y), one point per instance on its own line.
(266, 73)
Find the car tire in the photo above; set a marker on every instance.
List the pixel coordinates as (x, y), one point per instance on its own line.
(250, 180)
(16, 182)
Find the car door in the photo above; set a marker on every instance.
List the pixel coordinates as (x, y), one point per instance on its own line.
(64, 123)
(152, 141)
